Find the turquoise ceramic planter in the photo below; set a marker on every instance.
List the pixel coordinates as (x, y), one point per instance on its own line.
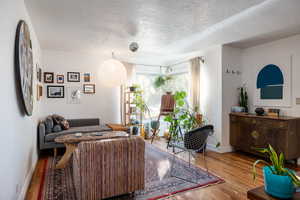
(278, 186)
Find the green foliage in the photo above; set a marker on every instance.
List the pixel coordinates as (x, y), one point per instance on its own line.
(162, 80)
(139, 101)
(243, 101)
(276, 166)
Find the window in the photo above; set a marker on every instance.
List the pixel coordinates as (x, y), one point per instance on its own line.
(152, 96)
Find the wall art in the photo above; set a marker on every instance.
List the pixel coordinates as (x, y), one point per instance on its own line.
(273, 83)
(89, 89)
(73, 76)
(24, 66)
(55, 91)
(87, 77)
(60, 78)
(48, 77)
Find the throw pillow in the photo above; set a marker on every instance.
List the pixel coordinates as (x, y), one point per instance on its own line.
(49, 124)
(57, 128)
(57, 119)
(65, 124)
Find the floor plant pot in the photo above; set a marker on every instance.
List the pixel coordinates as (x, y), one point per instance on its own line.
(278, 186)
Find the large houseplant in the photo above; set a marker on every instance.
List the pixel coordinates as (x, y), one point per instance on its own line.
(279, 181)
(183, 116)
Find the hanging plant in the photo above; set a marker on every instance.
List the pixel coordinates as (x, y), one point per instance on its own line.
(162, 80)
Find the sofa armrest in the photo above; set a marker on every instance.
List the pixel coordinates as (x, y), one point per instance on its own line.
(41, 134)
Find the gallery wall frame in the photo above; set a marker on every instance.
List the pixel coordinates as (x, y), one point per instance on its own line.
(55, 91)
(73, 76)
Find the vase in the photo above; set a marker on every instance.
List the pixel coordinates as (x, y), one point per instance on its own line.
(278, 186)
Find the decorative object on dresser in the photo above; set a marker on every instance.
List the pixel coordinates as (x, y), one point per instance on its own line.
(48, 77)
(260, 111)
(24, 66)
(73, 76)
(273, 112)
(89, 88)
(248, 131)
(55, 91)
(60, 78)
(243, 98)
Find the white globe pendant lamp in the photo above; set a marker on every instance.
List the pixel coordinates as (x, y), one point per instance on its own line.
(112, 73)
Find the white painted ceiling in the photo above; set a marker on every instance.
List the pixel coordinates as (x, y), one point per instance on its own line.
(164, 29)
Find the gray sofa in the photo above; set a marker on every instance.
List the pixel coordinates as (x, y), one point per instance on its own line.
(46, 141)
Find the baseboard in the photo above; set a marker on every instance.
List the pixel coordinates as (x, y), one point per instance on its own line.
(25, 186)
(220, 149)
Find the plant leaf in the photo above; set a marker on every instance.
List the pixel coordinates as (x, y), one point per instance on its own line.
(254, 167)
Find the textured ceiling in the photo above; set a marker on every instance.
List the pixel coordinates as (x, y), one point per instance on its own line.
(102, 26)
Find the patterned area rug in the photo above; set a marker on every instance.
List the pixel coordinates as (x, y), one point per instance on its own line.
(159, 181)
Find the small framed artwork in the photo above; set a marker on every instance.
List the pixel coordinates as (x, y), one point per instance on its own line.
(55, 91)
(89, 89)
(60, 78)
(39, 92)
(87, 77)
(40, 74)
(49, 77)
(73, 76)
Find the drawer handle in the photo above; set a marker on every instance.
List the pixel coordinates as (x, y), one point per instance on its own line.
(255, 134)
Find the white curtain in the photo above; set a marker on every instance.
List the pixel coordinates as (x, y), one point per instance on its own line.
(195, 82)
(131, 74)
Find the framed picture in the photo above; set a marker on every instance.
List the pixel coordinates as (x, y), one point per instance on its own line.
(39, 74)
(55, 91)
(39, 92)
(24, 66)
(60, 78)
(73, 77)
(87, 77)
(89, 89)
(273, 82)
(49, 77)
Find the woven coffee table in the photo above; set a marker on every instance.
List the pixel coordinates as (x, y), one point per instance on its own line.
(71, 141)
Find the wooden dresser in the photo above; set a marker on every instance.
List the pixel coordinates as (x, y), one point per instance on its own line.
(248, 131)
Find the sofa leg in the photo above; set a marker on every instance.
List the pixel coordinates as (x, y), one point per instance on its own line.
(55, 152)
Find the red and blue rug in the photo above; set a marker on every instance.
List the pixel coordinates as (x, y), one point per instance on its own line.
(159, 183)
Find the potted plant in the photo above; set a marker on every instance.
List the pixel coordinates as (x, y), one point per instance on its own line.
(279, 181)
(162, 81)
(243, 98)
(133, 87)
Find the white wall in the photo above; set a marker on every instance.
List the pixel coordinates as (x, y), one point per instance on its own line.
(211, 90)
(277, 50)
(18, 143)
(231, 61)
(105, 104)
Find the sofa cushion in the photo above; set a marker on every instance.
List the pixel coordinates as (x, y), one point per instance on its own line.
(83, 129)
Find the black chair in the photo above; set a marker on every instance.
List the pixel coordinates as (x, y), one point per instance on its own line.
(194, 141)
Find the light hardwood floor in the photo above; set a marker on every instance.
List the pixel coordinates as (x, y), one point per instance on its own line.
(234, 168)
